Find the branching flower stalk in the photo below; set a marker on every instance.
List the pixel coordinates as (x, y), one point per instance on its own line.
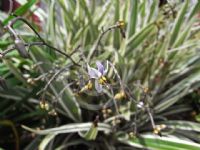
(5, 52)
(9, 27)
(52, 78)
(119, 25)
(19, 44)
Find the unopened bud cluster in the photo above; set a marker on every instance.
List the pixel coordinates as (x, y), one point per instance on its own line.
(158, 128)
(106, 112)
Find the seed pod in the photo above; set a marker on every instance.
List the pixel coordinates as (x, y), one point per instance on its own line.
(120, 95)
(21, 48)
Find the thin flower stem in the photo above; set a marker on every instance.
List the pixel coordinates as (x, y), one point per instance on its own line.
(110, 119)
(114, 101)
(75, 50)
(151, 117)
(10, 6)
(6, 51)
(44, 42)
(117, 74)
(130, 95)
(26, 44)
(135, 120)
(12, 32)
(99, 40)
(51, 79)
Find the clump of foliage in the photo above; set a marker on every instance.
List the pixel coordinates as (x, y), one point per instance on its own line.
(147, 60)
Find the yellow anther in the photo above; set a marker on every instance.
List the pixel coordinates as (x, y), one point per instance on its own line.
(88, 86)
(102, 80)
(83, 89)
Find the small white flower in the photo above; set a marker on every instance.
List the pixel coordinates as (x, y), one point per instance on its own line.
(98, 75)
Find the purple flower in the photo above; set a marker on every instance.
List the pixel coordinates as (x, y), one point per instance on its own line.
(98, 75)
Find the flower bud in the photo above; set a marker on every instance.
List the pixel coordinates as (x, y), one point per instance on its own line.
(44, 105)
(131, 135)
(120, 95)
(31, 81)
(21, 48)
(146, 90)
(156, 131)
(120, 24)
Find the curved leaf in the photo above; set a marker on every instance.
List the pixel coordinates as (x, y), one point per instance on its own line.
(70, 128)
(183, 125)
(161, 143)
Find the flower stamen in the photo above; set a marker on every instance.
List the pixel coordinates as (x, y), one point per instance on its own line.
(102, 80)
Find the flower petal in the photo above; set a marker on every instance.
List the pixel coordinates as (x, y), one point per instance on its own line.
(106, 70)
(93, 73)
(100, 67)
(98, 86)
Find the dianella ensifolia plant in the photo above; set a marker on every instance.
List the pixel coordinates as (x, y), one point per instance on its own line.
(111, 74)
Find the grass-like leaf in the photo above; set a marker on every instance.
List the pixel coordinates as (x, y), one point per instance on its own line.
(161, 143)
